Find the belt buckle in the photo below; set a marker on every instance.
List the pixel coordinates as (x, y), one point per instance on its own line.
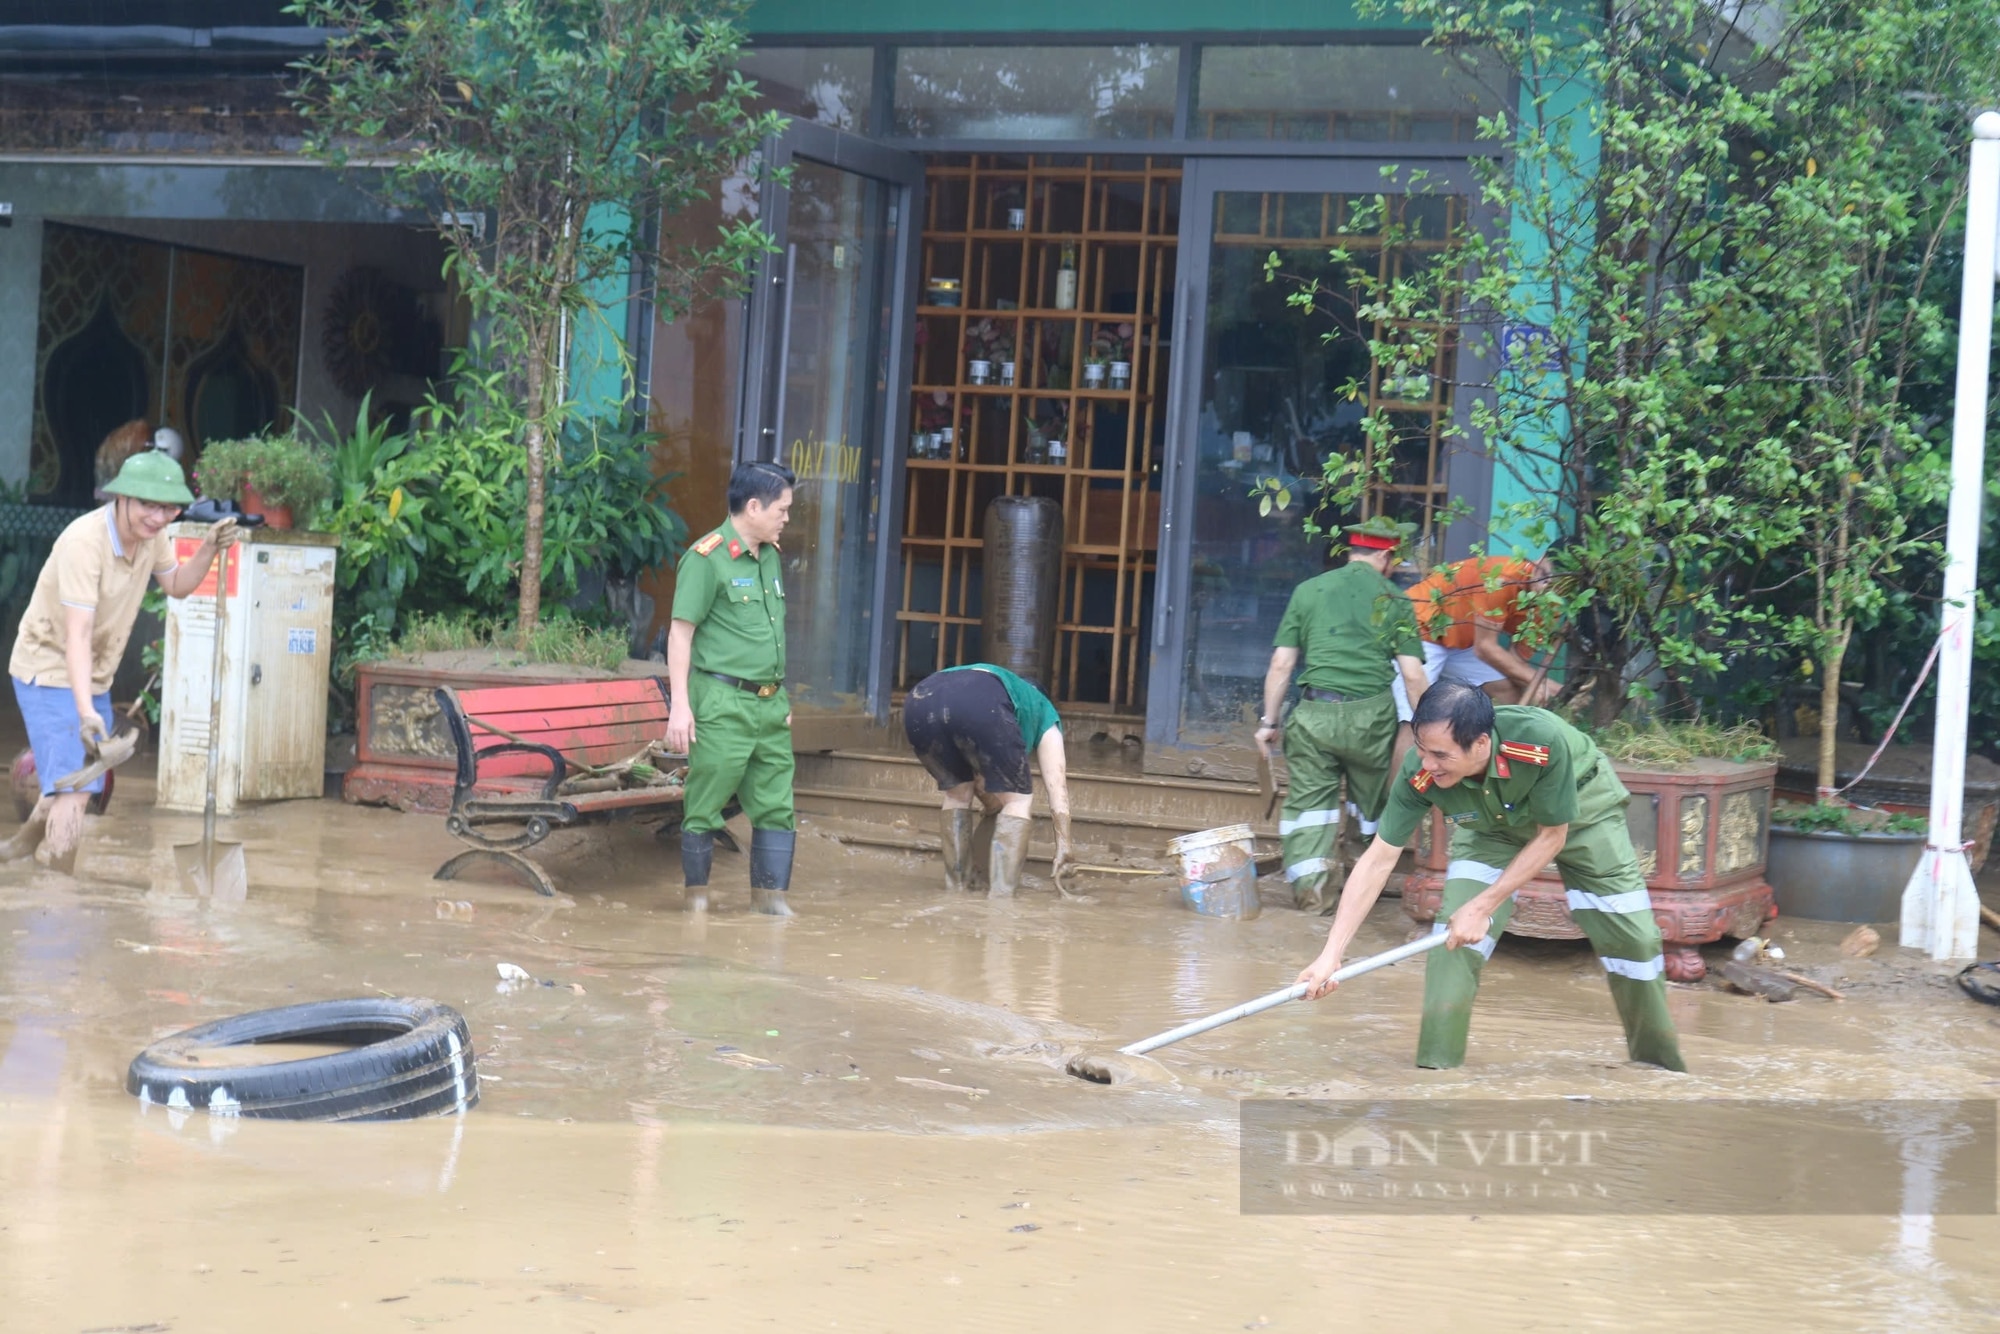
(766, 691)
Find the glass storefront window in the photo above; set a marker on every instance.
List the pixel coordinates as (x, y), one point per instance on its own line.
(1035, 92)
(1370, 93)
(1275, 404)
(830, 85)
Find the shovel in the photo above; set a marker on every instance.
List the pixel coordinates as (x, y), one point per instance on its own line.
(1100, 1069)
(208, 867)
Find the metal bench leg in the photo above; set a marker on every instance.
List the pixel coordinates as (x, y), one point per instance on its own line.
(530, 874)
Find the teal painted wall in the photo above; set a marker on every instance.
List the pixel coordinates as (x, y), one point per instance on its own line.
(769, 18)
(1525, 487)
(597, 378)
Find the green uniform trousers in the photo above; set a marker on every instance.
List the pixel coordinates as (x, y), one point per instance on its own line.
(1607, 898)
(1324, 743)
(742, 749)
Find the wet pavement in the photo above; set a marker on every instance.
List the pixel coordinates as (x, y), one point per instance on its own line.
(858, 1118)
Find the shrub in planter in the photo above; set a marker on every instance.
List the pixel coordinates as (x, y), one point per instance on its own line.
(1835, 863)
(276, 475)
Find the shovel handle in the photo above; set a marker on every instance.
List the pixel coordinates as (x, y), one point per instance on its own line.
(1290, 993)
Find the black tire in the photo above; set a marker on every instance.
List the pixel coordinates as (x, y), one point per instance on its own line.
(410, 1058)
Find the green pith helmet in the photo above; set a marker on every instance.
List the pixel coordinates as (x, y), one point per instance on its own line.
(151, 476)
(1381, 531)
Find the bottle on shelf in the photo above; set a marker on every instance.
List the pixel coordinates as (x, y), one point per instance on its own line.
(1066, 278)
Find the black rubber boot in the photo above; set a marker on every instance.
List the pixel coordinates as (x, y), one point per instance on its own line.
(1010, 854)
(697, 855)
(955, 842)
(771, 870)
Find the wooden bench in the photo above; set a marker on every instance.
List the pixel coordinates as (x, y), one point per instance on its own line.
(517, 749)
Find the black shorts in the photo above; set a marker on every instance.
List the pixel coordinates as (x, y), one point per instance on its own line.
(962, 724)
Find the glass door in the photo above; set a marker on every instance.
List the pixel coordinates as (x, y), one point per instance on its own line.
(824, 394)
(1265, 396)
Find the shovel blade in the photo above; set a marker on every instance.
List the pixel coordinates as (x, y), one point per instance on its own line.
(213, 870)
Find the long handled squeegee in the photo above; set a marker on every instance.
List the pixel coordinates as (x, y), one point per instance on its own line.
(1104, 1070)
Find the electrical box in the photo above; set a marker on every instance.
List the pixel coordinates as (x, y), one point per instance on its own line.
(277, 655)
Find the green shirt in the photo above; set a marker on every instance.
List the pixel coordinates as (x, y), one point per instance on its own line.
(1031, 707)
(1543, 772)
(1347, 624)
(736, 603)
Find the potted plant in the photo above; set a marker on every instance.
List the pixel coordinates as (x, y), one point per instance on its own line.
(1113, 343)
(987, 343)
(1836, 863)
(1096, 363)
(274, 475)
(1700, 820)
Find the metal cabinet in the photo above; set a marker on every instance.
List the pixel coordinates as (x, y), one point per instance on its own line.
(277, 655)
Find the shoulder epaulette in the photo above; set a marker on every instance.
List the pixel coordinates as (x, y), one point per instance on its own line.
(1525, 753)
(1421, 780)
(707, 544)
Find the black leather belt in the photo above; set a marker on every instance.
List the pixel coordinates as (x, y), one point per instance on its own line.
(761, 689)
(1318, 696)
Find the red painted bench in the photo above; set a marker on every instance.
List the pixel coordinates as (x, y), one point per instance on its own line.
(518, 744)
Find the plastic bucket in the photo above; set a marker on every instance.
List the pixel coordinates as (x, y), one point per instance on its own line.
(1218, 871)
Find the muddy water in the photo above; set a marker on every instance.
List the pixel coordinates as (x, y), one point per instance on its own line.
(857, 1119)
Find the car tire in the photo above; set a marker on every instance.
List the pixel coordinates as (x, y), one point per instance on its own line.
(407, 1058)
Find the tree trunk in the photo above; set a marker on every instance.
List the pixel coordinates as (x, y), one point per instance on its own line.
(1829, 707)
(531, 545)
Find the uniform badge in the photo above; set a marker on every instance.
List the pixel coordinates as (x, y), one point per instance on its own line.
(1525, 753)
(735, 548)
(707, 544)
(742, 583)
(1464, 817)
(1421, 780)
(777, 588)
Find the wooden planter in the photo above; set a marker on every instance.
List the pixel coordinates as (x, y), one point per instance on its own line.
(404, 755)
(1713, 821)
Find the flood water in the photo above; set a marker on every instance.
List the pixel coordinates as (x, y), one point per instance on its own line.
(858, 1119)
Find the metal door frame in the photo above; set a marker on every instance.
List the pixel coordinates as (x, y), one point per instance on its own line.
(1469, 472)
(767, 330)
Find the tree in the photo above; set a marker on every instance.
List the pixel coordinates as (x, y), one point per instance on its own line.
(1696, 340)
(570, 124)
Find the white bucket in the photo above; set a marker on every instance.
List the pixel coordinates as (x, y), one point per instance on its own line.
(1218, 871)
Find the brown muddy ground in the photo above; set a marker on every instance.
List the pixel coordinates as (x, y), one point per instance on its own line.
(858, 1119)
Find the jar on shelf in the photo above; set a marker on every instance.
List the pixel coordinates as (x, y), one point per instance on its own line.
(1121, 375)
(1006, 372)
(978, 371)
(1093, 375)
(944, 291)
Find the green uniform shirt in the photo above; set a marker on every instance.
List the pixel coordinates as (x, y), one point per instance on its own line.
(1347, 624)
(1543, 772)
(1031, 707)
(736, 604)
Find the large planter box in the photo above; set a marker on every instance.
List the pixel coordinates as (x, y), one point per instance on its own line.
(404, 756)
(1833, 877)
(1899, 782)
(1702, 835)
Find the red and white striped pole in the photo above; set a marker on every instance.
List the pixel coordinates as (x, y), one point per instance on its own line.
(1940, 905)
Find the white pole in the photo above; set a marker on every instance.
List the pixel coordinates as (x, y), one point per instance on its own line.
(1940, 905)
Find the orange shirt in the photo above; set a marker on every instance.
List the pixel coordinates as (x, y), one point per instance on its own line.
(1488, 587)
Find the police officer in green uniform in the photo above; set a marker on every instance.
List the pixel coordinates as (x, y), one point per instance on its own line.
(1521, 788)
(726, 671)
(1345, 626)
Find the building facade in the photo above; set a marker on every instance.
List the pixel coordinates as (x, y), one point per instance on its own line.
(1025, 254)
